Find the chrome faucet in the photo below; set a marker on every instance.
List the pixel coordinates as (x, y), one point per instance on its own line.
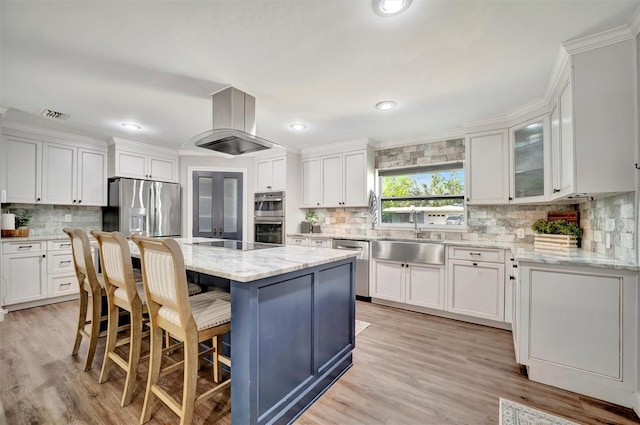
(413, 218)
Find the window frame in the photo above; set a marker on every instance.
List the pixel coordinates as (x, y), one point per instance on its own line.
(427, 168)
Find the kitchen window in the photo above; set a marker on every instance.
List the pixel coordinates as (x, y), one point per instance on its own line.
(430, 196)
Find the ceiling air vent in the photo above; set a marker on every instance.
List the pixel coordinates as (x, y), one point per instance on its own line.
(50, 113)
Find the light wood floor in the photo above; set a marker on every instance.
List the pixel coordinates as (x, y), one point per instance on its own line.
(409, 368)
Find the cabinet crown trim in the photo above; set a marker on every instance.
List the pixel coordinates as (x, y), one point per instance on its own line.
(137, 146)
(340, 147)
(11, 128)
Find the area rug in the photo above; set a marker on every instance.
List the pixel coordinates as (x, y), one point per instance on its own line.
(516, 414)
(360, 326)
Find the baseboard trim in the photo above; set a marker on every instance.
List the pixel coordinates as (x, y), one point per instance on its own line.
(636, 404)
(2, 313)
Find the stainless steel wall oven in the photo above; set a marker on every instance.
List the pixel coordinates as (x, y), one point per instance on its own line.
(268, 217)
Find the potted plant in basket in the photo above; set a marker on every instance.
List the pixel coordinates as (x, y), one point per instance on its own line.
(22, 221)
(556, 234)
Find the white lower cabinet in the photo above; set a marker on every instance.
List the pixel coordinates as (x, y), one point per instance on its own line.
(415, 284)
(476, 289)
(61, 273)
(475, 282)
(37, 273)
(24, 273)
(298, 240)
(577, 329)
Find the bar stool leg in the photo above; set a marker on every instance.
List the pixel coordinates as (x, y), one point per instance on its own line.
(112, 334)
(155, 360)
(134, 356)
(95, 330)
(82, 320)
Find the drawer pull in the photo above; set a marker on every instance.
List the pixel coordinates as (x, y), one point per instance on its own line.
(25, 246)
(65, 245)
(475, 264)
(65, 284)
(475, 253)
(65, 262)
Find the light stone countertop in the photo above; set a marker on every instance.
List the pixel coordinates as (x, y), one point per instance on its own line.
(521, 252)
(247, 266)
(48, 237)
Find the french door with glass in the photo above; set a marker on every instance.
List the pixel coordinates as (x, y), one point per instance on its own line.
(217, 204)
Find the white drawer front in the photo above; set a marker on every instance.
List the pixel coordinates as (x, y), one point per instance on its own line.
(324, 243)
(60, 245)
(477, 254)
(60, 262)
(298, 241)
(63, 285)
(20, 247)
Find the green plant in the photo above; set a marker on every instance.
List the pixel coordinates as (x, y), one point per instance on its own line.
(556, 227)
(311, 217)
(22, 218)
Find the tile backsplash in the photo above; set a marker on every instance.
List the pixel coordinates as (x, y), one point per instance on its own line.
(50, 219)
(613, 216)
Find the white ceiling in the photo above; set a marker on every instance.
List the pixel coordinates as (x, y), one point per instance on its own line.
(324, 63)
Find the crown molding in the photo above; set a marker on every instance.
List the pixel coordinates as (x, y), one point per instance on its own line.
(348, 145)
(634, 22)
(601, 39)
(560, 63)
(455, 134)
(50, 134)
(120, 142)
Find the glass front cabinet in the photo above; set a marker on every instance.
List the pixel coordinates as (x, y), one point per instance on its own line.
(530, 158)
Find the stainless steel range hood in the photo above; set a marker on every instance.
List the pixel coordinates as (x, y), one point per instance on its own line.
(234, 125)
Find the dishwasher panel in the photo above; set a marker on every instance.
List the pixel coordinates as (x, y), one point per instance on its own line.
(362, 263)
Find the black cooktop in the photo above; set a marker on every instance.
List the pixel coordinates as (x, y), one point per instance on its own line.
(239, 245)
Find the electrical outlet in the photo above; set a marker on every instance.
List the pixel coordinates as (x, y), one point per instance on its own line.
(67, 218)
(327, 220)
(520, 233)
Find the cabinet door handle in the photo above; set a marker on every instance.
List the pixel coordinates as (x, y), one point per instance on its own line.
(475, 264)
(43, 256)
(74, 201)
(220, 230)
(318, 203)
(468, 199)
(80, 200)
(556, 190)
(38, 199)
(512, 277)
(515, 266)
(150, 176)
(510, 198)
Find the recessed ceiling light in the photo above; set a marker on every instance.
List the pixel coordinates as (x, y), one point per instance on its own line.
(390, 7)
(131, 126)
(386, 104)
(298, 126)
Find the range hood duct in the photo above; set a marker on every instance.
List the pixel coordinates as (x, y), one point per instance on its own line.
(234, 125)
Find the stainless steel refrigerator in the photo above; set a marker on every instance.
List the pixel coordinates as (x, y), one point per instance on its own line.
(142, 207)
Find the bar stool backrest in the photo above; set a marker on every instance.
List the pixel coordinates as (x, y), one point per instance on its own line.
(115, 258)
(82, 260)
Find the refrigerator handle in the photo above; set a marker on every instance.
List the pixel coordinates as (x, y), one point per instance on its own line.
(151, 206)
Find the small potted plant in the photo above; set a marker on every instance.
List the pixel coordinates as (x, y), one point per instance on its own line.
(556, 234)
(311, 217)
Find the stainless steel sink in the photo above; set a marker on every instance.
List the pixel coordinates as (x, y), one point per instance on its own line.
(409, 251)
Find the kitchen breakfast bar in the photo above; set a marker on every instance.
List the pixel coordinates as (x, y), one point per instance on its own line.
(292, 321)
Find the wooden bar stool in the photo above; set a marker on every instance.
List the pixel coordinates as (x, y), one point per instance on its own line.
(189, 319)
(123, 292)
(91, 285)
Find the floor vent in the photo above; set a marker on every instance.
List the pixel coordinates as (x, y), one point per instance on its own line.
(50, 113)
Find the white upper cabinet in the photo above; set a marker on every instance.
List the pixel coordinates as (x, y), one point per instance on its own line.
(529, 161)
(73, 176)
(56, 172)
(338, 179)
(593, 123)
(22, 165)
(138, 161)
(311, 182)
(487, 163)
(271, 174)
